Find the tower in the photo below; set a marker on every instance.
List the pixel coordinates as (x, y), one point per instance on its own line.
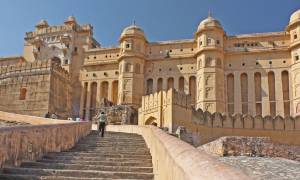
(131, 64)
(210, 68)
(293, 29)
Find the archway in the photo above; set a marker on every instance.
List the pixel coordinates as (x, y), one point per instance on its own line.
(151, 121)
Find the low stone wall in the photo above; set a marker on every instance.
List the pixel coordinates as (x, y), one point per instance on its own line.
(205, 127)
(33, 120)
(174, 159)
(251, 146)
(22, 143)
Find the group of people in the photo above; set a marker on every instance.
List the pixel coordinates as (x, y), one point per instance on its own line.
(52, 116)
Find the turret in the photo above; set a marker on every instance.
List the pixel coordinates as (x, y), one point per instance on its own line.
(42, 24)
(293, 29)
(131, 62)
(210, 73)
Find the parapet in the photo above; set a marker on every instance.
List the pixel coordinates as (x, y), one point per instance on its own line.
(240, 121)
(164, 98)
(37, 67)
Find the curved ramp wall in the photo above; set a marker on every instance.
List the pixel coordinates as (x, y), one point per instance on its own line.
(21, 143)
(174, 159)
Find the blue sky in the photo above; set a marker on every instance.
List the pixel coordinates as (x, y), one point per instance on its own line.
(160, 19)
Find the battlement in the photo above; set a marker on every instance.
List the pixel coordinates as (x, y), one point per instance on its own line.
(164, 98)
(60, 29)
(37, 67)
(240, 121)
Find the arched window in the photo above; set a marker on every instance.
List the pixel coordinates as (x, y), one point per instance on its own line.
(23, 92)
(230, 93)
(192, 89)
(159, 84)
(272, 100)
(258, 96)
(181, 84)
(137, 68)
(208, 62)
(127, 67)
(115, 85)
(149, 86)
(199, 63)
(285, 91)
(244, 93)
(170, 83)
(104, 90)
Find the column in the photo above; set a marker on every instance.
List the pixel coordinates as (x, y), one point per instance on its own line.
(279, 94)
(176, 83)
(237, 93)
(88, 102)
(265, 94)
(110, 94)
(98, 96)
(165, 84)
(154, 85)
(82, 100)
(251, 93)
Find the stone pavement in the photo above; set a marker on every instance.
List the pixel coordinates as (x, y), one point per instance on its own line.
(265, 168)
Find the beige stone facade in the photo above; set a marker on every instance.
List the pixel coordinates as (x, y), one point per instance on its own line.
(257, 74)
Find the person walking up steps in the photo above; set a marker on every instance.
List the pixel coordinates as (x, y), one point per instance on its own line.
(102, 122)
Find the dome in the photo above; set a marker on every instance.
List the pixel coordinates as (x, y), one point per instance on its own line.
(43, 23)
(209, 22)
(133, 30)
(295, 16)
(70, 19)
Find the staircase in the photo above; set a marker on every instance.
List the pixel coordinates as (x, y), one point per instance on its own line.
(115, 156)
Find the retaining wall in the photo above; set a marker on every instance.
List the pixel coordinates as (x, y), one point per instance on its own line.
(174, 159)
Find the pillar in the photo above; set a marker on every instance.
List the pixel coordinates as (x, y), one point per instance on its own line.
(98, 97)
(82, 100)
(110, 94)
(237, 93)
(251, 93)
(265, 94)
(279, 94)
(88, 102)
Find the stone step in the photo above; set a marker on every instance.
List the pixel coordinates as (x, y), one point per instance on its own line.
(124, 146)
(91, 157)
(115, 142)
(77, 173)
(111, 151)
(145, 163)
(97, 153)
(114, 159)
(31, 177)
(40, 165)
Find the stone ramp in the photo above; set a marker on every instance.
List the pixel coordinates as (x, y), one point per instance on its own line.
(116, 156)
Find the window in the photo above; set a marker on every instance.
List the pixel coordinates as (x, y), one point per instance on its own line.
(75, 49)
(39, 49)
(127, 67)
(218, 41)
(23, 92)
(297, 57)
(66, 61)
(67, 45)
(208, 61)
(127, 45)
(208, 41)
(295, 36)
(137, 69)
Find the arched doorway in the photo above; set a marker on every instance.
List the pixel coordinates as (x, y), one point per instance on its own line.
(115, 92)
(151, 121)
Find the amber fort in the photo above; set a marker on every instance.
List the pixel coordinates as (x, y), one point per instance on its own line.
(219, 94)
